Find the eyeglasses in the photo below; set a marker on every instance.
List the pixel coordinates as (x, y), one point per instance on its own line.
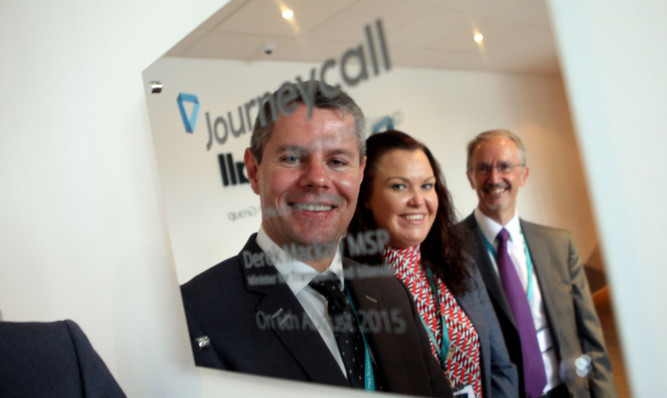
(503, 168)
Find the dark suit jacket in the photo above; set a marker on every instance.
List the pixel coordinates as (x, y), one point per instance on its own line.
(567, 300)
(499, 375)
(51, 360)
(261, 328)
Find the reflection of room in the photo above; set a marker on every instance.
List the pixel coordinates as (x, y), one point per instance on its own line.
(441, 72)
(88, 226)
(455, 88)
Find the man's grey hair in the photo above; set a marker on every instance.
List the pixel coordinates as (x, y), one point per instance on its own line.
(487, 135)
(325, 97)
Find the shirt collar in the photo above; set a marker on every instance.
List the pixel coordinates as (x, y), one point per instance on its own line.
(297, 274)
(490, 228)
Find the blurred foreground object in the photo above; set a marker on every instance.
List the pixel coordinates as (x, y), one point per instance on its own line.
(51, 359)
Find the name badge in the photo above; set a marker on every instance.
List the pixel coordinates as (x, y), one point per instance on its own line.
(464, 391)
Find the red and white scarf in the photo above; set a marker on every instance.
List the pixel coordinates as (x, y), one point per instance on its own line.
(463, 362)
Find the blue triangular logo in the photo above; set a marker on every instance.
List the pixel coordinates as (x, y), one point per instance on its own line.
(188, 122)
(387, 123)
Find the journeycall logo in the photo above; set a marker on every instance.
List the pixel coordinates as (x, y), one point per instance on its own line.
(355, 65)
(190, 121)
(218, 130)
(231, 171)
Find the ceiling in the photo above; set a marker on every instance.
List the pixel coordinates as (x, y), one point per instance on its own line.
(434, 34)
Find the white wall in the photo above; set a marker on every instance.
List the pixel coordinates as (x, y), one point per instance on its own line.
(614, 60)
(443, 108)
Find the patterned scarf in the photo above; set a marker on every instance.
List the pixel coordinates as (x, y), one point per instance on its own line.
(463, 359)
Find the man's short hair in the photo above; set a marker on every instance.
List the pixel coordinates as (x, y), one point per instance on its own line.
(487, 135)
(326, 97)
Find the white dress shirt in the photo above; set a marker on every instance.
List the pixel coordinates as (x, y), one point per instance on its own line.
(516, 246)
(297, 276)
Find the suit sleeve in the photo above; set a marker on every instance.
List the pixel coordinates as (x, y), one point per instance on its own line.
(96, 379)
(203, 356)
(601, 382)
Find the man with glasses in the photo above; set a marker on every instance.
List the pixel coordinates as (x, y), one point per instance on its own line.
(535, 278)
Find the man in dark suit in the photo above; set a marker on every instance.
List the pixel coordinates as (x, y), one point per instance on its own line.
(51, 359)
(262, 311)
(568, 356)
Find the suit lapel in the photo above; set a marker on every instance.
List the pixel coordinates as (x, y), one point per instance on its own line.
(538, 246)
(489, 274)
(293, 328)
(367, 295)
(297, 334)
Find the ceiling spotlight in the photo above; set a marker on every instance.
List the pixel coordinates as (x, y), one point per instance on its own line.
(288, 14)
(479, 37)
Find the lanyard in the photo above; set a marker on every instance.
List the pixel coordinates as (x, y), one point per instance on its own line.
(369, 378)
(443, 350)
(529, 264)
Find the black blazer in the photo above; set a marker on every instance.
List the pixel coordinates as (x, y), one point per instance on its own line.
(567, 301)
(51, 360)
(256, 325)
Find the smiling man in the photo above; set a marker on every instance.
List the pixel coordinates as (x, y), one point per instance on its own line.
(286, 305)
(309, 172)
(535, 279)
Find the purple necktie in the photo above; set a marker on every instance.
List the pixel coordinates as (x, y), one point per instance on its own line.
(533, 368)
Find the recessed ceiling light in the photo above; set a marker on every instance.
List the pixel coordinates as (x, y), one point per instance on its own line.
(479, 37)
(288, 14)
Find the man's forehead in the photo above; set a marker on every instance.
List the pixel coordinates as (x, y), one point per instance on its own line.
(328, 144)
(496, 146)
(330, 131)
